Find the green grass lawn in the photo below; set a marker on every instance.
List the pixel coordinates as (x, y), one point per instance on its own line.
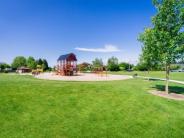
(157, 74)
(35, 108)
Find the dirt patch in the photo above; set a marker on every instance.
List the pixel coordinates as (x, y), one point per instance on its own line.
(173, 96)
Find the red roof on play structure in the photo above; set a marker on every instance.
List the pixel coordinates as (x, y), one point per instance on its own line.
(68, 57)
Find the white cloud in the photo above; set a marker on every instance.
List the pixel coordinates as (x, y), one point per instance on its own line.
(105, 49)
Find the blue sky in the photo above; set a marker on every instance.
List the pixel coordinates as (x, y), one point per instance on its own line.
(88, 28)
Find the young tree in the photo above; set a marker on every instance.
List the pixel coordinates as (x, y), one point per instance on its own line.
(18, 62)
(97, 62)
(112, 64)
(31, 63)
(166, 33)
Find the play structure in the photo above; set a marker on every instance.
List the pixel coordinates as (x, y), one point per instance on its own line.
(67, 65)
(37, 71)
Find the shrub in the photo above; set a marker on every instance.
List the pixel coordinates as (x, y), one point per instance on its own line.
(175, 67)
(5, 71)
(125, 66)
(113, 67)
(112, 64)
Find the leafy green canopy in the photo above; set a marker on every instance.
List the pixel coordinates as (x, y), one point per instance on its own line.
(3, 66)
(125, 66)
(31, 63)
(150, 58)
(167, 33)
(18, 62)
(112, 64)
(164, 43)
(97, 63)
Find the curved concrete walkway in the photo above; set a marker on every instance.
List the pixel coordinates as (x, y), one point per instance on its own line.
(83, 77)
(151, 78)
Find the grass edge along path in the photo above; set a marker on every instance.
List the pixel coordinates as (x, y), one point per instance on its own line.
(179, 76)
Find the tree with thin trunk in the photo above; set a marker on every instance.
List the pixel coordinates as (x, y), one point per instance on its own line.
(167, 36)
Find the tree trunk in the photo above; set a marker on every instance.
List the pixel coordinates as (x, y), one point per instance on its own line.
(167, 78)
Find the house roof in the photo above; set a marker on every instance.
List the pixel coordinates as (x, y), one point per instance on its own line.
(68, 57)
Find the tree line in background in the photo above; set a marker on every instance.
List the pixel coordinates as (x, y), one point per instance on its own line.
(30, 62)
(112, 65)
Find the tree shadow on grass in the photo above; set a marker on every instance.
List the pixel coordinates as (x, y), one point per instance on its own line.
(150, 79)
(172, 89)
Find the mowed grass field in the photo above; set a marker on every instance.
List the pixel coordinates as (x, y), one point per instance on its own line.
(35, 108)
(156, 74)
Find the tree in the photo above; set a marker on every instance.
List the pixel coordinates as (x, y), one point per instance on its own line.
(141, 67)
(150, 57)
(18, 62)
(166, 34)
(97, 63)
(4, 66)
(125, 66)
(39, 62)
(45, 65)
(112, 64)
(31, 63)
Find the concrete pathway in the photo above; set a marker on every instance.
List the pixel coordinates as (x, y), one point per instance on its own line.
(151, 78)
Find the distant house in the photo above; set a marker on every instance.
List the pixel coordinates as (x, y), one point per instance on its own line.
(85, 67)
(67, 65)
(23, 70)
